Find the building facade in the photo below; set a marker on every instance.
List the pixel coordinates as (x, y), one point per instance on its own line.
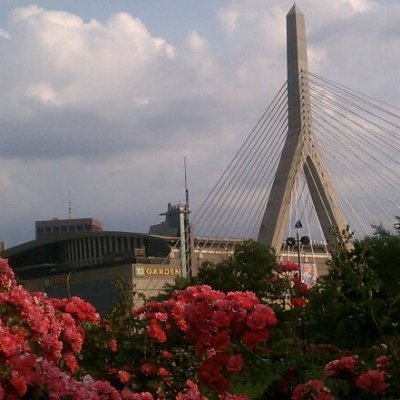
(57, 227)
(76, 257)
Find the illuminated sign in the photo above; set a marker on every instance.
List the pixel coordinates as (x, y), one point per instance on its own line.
(57, 281)
(153, 271)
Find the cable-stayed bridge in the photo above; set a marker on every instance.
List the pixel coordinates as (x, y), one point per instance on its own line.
(321, 153)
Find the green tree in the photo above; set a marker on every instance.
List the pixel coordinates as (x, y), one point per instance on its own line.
(383, 256)
(345, 304)
(356, 305)
(249, 268)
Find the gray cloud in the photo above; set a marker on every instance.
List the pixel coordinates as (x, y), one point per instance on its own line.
(107, 111)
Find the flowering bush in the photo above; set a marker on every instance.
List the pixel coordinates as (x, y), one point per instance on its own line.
(41, 341)
(210, 332)
(287, 289)
(349, 378)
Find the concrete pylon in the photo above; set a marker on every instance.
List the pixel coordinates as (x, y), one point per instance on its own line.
(300, 154)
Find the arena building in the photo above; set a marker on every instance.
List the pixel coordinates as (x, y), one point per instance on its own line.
(76, 257)
(88, 262)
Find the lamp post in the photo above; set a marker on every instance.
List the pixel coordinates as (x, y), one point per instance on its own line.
(68, 280)
(291, 242)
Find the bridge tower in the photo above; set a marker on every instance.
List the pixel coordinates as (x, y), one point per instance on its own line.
(300, 154)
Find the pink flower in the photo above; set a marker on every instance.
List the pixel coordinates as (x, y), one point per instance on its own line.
(314, 389)
(382, 363)
(148, 369)
(113, 345)
(128, 395)
(373, 381)
(124, 376)
(341, 366)
(191, 392)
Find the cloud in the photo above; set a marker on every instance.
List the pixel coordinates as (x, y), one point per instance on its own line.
(107, 110)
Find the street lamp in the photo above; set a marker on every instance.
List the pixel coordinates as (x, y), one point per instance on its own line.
(291, 242)
(68, 280)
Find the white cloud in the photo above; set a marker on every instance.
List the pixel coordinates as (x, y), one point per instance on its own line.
(107, 110)
(84, 63)
(4, 34)
(43, 92)
(228, 19)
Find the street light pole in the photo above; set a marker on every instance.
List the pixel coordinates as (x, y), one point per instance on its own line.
(68, 280)
(298, 226)
(291, 242)
(298, 254)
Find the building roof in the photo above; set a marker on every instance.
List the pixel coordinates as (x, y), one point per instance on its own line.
(86, 249)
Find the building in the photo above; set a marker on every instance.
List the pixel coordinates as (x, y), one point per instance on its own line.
(87, 261)
(56, 227)
(76, 257)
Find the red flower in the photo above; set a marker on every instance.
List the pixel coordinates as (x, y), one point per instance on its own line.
(148, 369)
(337, 368)
(298, 302)
(113, 345)
(262, 316)
(124, 376)
(191, 392)
(230, 396)
(221, 318)
(167, 355)
(221, 341)
(9, 343)
(234, 363)
(128, 395)
(71, 362)
(19, 383)
(154, 330)
(163, 372)
(252, 339)
(373, 381)
(289, 266)
(382, 363)
(210, 373)
(314, 389)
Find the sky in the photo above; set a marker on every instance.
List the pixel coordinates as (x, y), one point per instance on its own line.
(101, 101)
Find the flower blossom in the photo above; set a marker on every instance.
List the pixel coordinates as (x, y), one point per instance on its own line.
(344, 365)
(372, 381)
(314, 389)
